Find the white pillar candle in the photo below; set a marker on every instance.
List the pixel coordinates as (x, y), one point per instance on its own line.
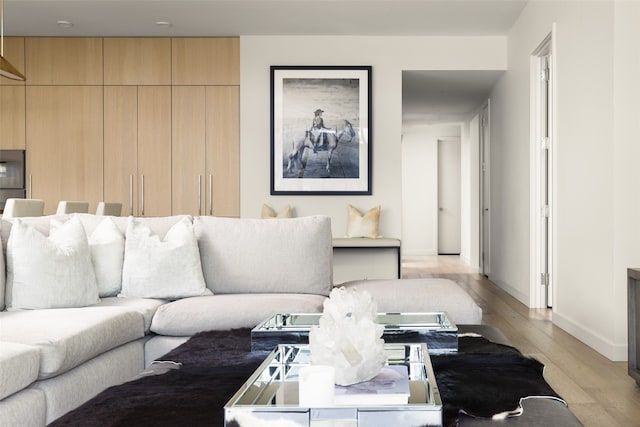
(316, 386)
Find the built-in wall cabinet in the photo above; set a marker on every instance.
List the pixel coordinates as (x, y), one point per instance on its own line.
(152, 123)
(12, 99)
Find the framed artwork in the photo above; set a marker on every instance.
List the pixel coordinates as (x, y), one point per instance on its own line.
(320, 130)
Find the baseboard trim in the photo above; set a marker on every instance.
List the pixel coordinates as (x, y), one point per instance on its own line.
(511, 290)
(612, 351)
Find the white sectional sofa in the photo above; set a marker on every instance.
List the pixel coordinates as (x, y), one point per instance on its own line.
(61, 344)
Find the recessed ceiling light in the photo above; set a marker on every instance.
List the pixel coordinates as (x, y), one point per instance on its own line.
(165, 24)
(64, 24)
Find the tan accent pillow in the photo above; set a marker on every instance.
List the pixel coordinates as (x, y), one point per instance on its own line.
(366, 225)
(268, 212)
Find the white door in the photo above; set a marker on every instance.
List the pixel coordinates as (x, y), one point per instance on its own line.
(485, 200)
(449, 207)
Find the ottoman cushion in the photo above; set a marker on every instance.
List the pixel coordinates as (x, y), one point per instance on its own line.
(421, 295)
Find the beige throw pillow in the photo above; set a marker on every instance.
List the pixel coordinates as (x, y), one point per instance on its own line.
(268, 212)
(363, 225)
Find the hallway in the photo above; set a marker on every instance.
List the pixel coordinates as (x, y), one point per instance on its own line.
(599, 392)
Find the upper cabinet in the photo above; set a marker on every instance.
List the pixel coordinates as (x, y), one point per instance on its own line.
(137, 61)
(12, 117)
(63, 61)
(205, 61)
(14, 53)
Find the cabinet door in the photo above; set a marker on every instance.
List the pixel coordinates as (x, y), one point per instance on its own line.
(14, 53)
(121, 147)
(205, 61)
(188, 148)
(12, 116)
(64, 143)
(137, 61)
(223, 151)
(64, 60)
(154, 150)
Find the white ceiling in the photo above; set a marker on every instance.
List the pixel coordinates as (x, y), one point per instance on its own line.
(428, 96)
(260, 17)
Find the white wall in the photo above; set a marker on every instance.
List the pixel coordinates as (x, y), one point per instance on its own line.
(389, 56)
(589, 248)
(626, 154)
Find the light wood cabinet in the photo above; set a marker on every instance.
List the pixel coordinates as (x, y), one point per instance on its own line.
(137, 61)
(152, 123)
(12, 117)
(205, 150)
(64, 143)
(188, 148)
(64, 60)
(14, 53)
(154, 150)
(137, 149)
(223, 150)
(205, 61)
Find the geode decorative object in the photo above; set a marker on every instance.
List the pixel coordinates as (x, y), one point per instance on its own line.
(348, 338)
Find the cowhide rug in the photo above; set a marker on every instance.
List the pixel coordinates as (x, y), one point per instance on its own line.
(483, 379)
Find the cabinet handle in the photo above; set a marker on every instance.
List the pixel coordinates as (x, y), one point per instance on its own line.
(30, 187)
(199, 195)
(211, 195)
(131, 195)
(142, 195)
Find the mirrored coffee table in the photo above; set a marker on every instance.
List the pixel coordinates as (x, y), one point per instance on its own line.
(271, 394)
(435, 329)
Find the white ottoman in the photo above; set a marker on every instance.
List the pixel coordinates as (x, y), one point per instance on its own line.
(421, 295)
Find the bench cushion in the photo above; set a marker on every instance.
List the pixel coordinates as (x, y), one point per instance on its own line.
(67, 337)
(421, 295)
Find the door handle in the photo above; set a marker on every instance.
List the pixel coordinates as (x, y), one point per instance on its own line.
(199, 195)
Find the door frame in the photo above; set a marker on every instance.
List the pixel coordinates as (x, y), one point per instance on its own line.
(484, 213)
(542, 254)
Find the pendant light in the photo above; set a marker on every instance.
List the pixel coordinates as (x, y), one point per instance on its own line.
(6, 69)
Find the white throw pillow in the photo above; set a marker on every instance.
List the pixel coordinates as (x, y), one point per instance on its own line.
(50, 272)
(156, 268)
(107, 254)
(363, 225)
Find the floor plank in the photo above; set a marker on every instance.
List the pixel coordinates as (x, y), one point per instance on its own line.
(599, 392)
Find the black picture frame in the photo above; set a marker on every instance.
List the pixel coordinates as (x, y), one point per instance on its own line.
(321, 130)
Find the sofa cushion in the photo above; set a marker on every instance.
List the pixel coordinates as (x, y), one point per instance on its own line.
(19, 366)
(26, 408)
(145, 306)
(421, 295)
(49, 272)
(289, 255)
(166, 268)
(221, 312)
(67, 337)
(106, 244)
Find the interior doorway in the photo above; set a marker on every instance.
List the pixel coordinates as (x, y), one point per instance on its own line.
(449, 196)
(485, 192)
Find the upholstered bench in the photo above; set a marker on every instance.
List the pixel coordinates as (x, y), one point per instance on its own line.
(421, 295)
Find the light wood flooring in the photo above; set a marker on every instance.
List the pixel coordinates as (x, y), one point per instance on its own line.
(599, 392)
